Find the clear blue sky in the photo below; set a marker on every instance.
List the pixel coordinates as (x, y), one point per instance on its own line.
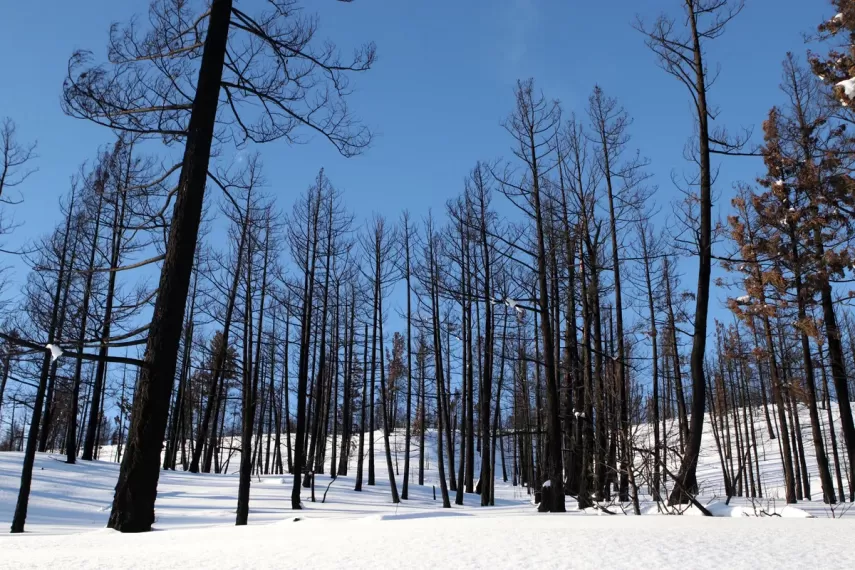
(441, 86)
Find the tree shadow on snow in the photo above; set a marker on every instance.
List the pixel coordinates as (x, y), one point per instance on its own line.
(424, 515)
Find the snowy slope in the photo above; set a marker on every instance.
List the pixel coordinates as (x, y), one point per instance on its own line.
(69, 498)
(709, 473)
(70, 506)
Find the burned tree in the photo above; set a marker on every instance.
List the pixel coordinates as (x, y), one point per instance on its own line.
(170, 81)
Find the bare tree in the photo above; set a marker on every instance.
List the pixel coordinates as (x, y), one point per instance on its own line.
(533, 125)
(681, 53)
(154, 86)
(14, 159)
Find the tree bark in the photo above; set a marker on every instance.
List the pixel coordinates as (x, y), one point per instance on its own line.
(136, 490)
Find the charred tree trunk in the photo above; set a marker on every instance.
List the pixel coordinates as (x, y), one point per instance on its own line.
(71, 433)
(305, 341)
(347, 412)
(119, 211)
(385, 397)
(361, 457)
(405, 486)
(48, 367)
(440, 380)
(136, 490)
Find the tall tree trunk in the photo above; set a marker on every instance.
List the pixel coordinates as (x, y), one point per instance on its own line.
(602, 131)
(279, 409)
(827, 405)
(422, 415)
(119, 210)
(361, 457)
(252, 374)
(469, 474)
(347, 413)
(489, 481)
(7, 363)
(447, 411)
(178, 407)
(440, 380)
(838, 374)
(177, 419)
(687, 473)
(286, 383)
(778, 395)
(554, 459)
(584, 420)
(136, 490)
(48, 367)
(305, 339)
(271, 406)
(486, 390)
(372, 400)
(71, 433)
(653, 333)
(810, 382)
(801, 474)
(215, 386)
(384, 395)
(601, 443)
(336, 337)
(320, 378)
(405, 486)
(678, 375)
(466, 354)
(47, 420)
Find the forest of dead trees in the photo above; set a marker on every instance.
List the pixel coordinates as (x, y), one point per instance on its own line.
(537, 326)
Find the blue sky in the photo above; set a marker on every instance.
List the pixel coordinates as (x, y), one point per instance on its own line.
(441, 86)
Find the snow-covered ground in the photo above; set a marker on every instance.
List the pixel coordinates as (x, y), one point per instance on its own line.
(455, 541)
(70, 504)
(771, 474)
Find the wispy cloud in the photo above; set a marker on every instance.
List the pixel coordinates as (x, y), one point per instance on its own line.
(520, 18)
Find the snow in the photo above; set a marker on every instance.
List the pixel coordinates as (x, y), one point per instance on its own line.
(55, 351)
(838, 17)
(514, 305)
(771, 479)
(848, 87)
(760, 508)
(743, 299)
(547, 484)
(195, 516)
(530, 541)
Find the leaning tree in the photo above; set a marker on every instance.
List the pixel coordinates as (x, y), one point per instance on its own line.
(195, 74)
